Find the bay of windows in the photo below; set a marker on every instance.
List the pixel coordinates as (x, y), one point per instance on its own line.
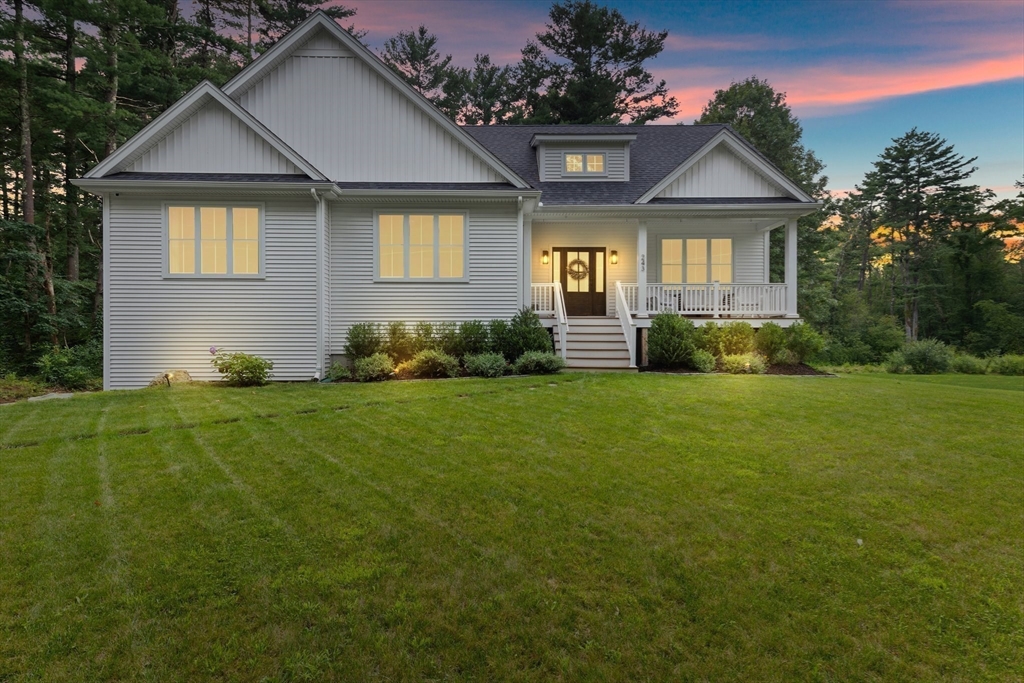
(421, 246)
(696, 260)
(213, 240)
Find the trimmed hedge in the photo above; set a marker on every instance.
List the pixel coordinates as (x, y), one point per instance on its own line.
(538, 363)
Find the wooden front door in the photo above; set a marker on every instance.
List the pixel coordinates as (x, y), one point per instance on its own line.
(581, 271)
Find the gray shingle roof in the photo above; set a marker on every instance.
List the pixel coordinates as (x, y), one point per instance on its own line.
(440, 187)
(655, 153)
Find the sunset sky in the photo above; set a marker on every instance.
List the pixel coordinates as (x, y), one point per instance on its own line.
(856, 73)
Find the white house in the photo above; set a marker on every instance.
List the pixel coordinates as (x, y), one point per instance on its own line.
(316, 190)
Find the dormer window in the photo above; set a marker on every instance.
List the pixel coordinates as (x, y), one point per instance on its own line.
(583, 164)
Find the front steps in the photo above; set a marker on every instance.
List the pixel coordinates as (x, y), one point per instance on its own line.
(595, 344)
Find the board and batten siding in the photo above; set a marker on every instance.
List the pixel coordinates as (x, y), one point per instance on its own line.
(213, 140)
(720, 173)
(354, 126)
(747, 250)
(492, 291)
(617, 236)
(616, 161)
(158, 324)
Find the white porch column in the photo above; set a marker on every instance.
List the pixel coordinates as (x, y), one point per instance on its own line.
(527, 261)
(641, 269)
(791, 268)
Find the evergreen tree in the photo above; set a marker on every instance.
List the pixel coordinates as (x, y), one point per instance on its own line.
(589, 66)
(918, 185)
(414, 57)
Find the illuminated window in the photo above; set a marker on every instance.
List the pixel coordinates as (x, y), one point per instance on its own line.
(706, 260)
(227, 241)
(392, 245)
(584, 164)
(181, 249)
(421, 246)
(451, 246)
(671, 261)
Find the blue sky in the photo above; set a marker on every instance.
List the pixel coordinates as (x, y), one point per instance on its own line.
(857, 74)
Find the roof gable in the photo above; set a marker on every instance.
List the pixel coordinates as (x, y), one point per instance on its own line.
(333, 100)
(725, 167)
(205, 132)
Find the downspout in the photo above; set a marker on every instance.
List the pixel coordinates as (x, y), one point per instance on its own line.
(319, 283)
(524, 292)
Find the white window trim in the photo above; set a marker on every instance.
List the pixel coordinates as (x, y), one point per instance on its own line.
(732, 252)
(585, 173)
(165, 239)
(405, 213)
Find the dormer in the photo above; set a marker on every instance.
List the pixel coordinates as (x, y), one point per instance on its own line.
(586, 157)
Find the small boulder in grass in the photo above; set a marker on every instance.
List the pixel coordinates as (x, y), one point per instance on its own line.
(171, 377)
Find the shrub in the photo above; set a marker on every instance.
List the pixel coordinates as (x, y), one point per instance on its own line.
(743, 364)
(804, 341)
(787, 357)
(703, 361)
(375, 368)
(338, 372)
(363, 340)
(498, 336)
(523, 334)
(423, 338)
(896, 363)
(967, 364)
(538, 363)
(1007, 365)
(737, 339)
(670, 341)
(709, 338)
(770, 342)
(446, 339)
(398, 342)
(62, 367)
(242, 369)
(927, 357)
(884, 336)
(431, 363)
(473, 338)
(486, 365)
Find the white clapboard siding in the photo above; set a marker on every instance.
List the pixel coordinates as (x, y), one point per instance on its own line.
(354, 126)
(747, 249)
(720, 173)
(492, 291)
(551, 160)
(158, 324)
(213, 140)
(621, 238)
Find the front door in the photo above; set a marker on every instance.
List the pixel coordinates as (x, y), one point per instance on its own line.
(581, 272)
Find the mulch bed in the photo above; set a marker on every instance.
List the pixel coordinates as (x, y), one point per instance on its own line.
(799, 369)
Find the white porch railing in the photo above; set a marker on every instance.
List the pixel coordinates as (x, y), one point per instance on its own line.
(710, 299)
(628, 326)
(548, 300)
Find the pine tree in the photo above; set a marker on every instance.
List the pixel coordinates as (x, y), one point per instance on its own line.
(414, 57)
(588, 66)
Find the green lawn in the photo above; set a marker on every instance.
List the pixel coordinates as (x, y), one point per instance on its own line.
(581, 527)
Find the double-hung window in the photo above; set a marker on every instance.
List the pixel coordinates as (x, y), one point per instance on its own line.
(421, 246)
(696, 260)
(580, 163)
(213, 240)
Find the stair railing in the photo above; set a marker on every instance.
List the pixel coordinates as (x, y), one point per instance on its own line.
(562, 319)
(626, 320)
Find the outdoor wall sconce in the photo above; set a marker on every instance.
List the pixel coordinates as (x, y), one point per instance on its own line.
(615, 257)
(544, 257)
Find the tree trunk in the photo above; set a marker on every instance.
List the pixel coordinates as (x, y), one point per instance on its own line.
(70, 147)
(109, 33)
(28, 205)
(51, 294)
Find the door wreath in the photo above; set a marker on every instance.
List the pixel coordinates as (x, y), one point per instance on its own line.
(577, 269)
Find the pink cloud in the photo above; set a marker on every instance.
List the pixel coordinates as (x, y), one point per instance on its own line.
(816, 89)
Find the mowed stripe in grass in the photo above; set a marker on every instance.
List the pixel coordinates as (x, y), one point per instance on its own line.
(608, 527)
